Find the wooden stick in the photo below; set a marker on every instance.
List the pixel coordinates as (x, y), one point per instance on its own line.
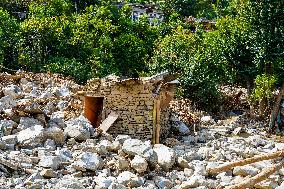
(228, 166)
(250, 182)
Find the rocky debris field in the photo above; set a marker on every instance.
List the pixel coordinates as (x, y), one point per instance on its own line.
(46, 143)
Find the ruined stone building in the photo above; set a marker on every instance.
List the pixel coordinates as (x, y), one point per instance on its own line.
(142, 104)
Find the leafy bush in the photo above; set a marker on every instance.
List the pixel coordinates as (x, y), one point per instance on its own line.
(69, 67)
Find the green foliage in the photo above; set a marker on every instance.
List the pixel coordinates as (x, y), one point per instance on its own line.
(264, 85)
(69, 67)
(9, 36)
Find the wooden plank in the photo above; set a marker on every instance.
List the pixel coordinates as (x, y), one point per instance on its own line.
(107, 123)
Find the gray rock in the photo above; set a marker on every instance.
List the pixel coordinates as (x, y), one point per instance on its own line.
(182, 163)
(52, 162)
(166, 156)
(69, 183)
(139, 164)
(31, 137)
(57, 120)
(62, 105)
(12, 91)
(64, 155)
(7, 126)
(245, 170)
(26, 122)
(179, 127)
(7, 102)
(163, 183)
(80, 129)
(50, 144)
(129, 179)
(56, 134)
(88, 161)
(121, 163)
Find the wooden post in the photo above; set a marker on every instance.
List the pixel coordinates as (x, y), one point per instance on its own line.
(158, 121)
(154, 121)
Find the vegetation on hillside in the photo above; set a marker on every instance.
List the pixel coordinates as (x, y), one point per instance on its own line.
(94, 38)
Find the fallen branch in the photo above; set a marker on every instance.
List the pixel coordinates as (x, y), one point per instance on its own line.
(254, 159)
(250, 182)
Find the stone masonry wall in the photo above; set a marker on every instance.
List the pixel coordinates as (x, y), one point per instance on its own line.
(132, 100)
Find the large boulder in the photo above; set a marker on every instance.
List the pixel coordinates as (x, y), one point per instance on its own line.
(31, 137)
(80, 129)
(88, 161)
(129, 179)
(134, 147)
(166, 156)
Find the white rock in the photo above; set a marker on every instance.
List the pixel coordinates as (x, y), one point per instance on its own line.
(166, 156)
(281, 186)
(88, 161)
(139, 164)
(129, 179)
(122, 138)
(207, 119)
(80, 129)
(104, 182)
(10, 139)
(245, 170)
(69, 183)
(191, 183)
(144, 149)
(32, 136)
(52, 162)
(62, 105)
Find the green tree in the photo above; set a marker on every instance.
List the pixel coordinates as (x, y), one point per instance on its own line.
(9, 36)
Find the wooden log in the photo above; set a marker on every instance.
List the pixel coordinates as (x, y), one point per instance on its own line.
(275, 110)
(250, 182)
(254, 159)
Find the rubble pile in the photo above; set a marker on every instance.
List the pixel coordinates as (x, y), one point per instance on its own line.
(45, 143)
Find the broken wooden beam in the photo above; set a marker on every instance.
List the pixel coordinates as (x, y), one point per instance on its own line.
(228, 166)
(250, 182)
(106, 124)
